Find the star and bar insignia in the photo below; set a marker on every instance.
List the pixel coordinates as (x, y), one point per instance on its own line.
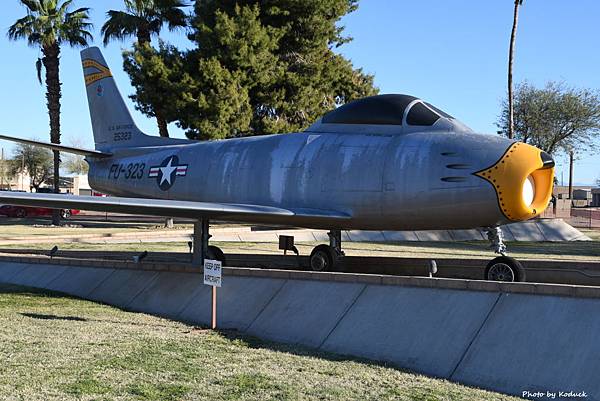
(167, 172)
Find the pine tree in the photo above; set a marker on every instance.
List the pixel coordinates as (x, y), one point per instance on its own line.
(259, 67)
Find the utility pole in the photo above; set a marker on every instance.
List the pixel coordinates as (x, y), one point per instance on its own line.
(571, 175)
(22, 171)
(2, 171)
(511, 55)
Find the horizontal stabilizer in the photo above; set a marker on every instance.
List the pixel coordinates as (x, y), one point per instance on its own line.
(60, 148)
(161, 207)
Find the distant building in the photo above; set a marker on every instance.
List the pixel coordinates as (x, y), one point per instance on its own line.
(582, 195)
(562, 191)
(20, 182)
(76, 184)
(81, 185)
(596, 197)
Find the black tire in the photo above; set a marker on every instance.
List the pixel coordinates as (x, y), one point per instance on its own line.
(322, 259)
(504, 268)
(65, 213)
(215, 253)
(21, 213)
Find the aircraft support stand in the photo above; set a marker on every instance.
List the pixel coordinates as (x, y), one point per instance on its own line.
(201, 237)
(335, 242)
(200, 247)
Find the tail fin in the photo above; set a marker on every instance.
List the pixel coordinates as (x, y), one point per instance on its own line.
(112, 123)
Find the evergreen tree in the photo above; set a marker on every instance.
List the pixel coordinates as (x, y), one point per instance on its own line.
(259, 67)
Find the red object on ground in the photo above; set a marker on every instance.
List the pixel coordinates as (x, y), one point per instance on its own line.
(24, 211)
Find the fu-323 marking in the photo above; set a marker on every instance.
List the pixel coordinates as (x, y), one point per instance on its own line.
(131, 171)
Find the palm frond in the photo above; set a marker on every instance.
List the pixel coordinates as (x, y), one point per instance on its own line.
(64, 8)
(145, 16)
(25, 28)
(76, 36)
(80, 13)
(174, 17)
(45, 6)
(49, 22)
(119, 25)
(32, 5)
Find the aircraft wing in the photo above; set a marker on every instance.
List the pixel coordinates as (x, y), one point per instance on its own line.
(161, 207)
(60, 148)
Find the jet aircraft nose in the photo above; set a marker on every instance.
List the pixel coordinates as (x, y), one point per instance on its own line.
(523, 179)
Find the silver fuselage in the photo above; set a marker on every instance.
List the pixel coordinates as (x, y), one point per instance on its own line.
(387, 181)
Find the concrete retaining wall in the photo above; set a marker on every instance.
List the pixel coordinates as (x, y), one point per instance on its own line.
(537, 343)
(422, 329)
(505, 337)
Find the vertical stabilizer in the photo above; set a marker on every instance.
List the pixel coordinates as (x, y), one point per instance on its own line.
(112, 123)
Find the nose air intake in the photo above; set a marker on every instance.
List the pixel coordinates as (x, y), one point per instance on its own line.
(547, 160)
(523, 180)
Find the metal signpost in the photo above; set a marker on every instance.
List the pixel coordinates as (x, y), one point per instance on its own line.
(212, 277)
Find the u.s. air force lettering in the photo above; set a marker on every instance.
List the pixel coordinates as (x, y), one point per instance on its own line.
(167, 172)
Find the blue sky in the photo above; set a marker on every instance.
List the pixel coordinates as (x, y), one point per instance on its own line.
(452, 53)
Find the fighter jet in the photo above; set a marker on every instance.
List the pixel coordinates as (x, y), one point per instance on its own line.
(387, 162)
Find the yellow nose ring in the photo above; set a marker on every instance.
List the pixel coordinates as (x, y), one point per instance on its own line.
(523, 179)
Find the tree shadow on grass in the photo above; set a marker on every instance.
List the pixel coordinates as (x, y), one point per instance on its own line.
(233, 335)
(52, 317)
(31, 291)
(302, 350)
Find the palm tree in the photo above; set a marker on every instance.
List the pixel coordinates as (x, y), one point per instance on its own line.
(511, 51)
(49, 25)
(143, 19)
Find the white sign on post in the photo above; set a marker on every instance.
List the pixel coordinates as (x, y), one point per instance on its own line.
(212, 272)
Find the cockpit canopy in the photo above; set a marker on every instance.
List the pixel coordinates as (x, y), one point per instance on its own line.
(399, 113)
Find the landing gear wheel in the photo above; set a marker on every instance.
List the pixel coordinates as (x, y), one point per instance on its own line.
(322, 258)
(215, 253)
(504, 268)
(21, 213)
(65, 213)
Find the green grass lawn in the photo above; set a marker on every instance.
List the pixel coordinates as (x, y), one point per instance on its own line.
(34, 227)
(12, 229)
(584, 250)
(592, 233)
(59, 348)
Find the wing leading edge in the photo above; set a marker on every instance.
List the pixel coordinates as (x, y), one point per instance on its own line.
(60, 148)
(169, 208)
